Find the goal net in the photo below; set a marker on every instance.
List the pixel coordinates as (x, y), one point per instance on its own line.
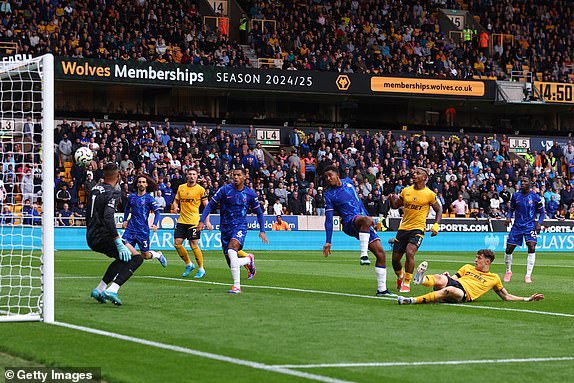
(27, 190)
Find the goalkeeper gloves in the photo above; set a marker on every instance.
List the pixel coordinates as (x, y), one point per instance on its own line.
(125, 254)
(434, 229)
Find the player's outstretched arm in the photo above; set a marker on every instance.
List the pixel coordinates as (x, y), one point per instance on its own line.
(263, 237)
(506, 296)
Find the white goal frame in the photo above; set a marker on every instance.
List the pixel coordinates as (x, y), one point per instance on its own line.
(46, 301)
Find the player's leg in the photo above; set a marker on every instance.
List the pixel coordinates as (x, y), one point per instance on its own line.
(235, 263)
(448, 294)
(415, 238)
(143, 244)
(380, 266)
(531, 244)
(126, 270)
(180, 234)
(514, 239)
(399, 249)
(250, 267)
(194, 243)
(363, 224)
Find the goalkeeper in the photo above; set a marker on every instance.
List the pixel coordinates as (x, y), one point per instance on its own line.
(102, 237)
(416, 201)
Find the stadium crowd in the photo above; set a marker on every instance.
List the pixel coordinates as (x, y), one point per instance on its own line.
(350, 36)
(473, 176)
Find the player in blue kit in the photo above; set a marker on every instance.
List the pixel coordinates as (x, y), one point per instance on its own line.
(525, 205)
(140, 204)
(342, 197)
(235, 201)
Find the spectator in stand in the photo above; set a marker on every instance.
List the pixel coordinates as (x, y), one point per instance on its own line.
(460, 207)
(65, 216)
(320, 202)
(160, 201)
(63, 196)
(279, 224)
(79, 214)
(7, 217)
(567, 196)
(30, 214)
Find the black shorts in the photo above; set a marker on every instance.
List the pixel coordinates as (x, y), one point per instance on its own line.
(107, 247)
(455, 283)
(189, 232)
(404, 237)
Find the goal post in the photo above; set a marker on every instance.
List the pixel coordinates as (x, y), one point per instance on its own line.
(27, 195)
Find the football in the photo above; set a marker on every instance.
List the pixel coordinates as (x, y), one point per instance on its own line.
(83, 156)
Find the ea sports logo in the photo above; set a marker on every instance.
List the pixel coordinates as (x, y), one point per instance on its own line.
(343, 82)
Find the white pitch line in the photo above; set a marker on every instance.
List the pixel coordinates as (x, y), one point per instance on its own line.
(466, 305)
(208, 355)
(428, 363)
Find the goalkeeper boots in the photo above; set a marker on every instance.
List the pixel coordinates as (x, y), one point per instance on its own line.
(188, 269)
(113, 297)
(98, 296)
(251, 270)
(162, 259)
(421, 270)
(200, 274)
(364, 261)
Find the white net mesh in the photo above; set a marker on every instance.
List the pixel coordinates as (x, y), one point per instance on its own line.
(21, 124)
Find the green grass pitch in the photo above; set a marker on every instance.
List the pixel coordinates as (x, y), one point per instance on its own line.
(303, 318)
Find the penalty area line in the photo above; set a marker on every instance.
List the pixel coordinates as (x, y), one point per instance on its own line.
(427, 363)
(208, 355)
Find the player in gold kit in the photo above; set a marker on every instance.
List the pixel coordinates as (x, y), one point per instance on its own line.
(187, 200)
(417, 201)
(467, 285)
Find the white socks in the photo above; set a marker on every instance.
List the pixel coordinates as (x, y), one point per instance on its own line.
(381, 273)
(530, 263)
(508, 262)
(364, 243)
(155, 254)
(234, 266)
(114, 287)
(102, 286)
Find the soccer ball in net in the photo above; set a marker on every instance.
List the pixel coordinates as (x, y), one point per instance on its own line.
(83, 156)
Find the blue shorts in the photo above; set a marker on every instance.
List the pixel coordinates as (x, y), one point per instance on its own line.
(351, 230)
(515, 237)
(141, 239)
(238, 234)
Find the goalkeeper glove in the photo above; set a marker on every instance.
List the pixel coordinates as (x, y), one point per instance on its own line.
(125, 254)
(434, 229)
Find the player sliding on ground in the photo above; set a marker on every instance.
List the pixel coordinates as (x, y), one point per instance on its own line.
(467, 285)
(342, 196)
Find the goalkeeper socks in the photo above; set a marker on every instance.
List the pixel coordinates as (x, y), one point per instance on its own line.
(427, 298)
(113, 270)
(155, 254)
(364, 243)
(234, 266)
(129, 269)
(429, 281)
(198, 256)
(381, 272)
(114, 288)
(241, 254)
(408, 279)
(530, 263)
(508, 262)
(183, 254)
(102, 286)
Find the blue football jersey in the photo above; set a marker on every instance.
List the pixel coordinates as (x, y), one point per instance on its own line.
(235, 205)
(526, 208)
(140, 207)
(345, 200)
